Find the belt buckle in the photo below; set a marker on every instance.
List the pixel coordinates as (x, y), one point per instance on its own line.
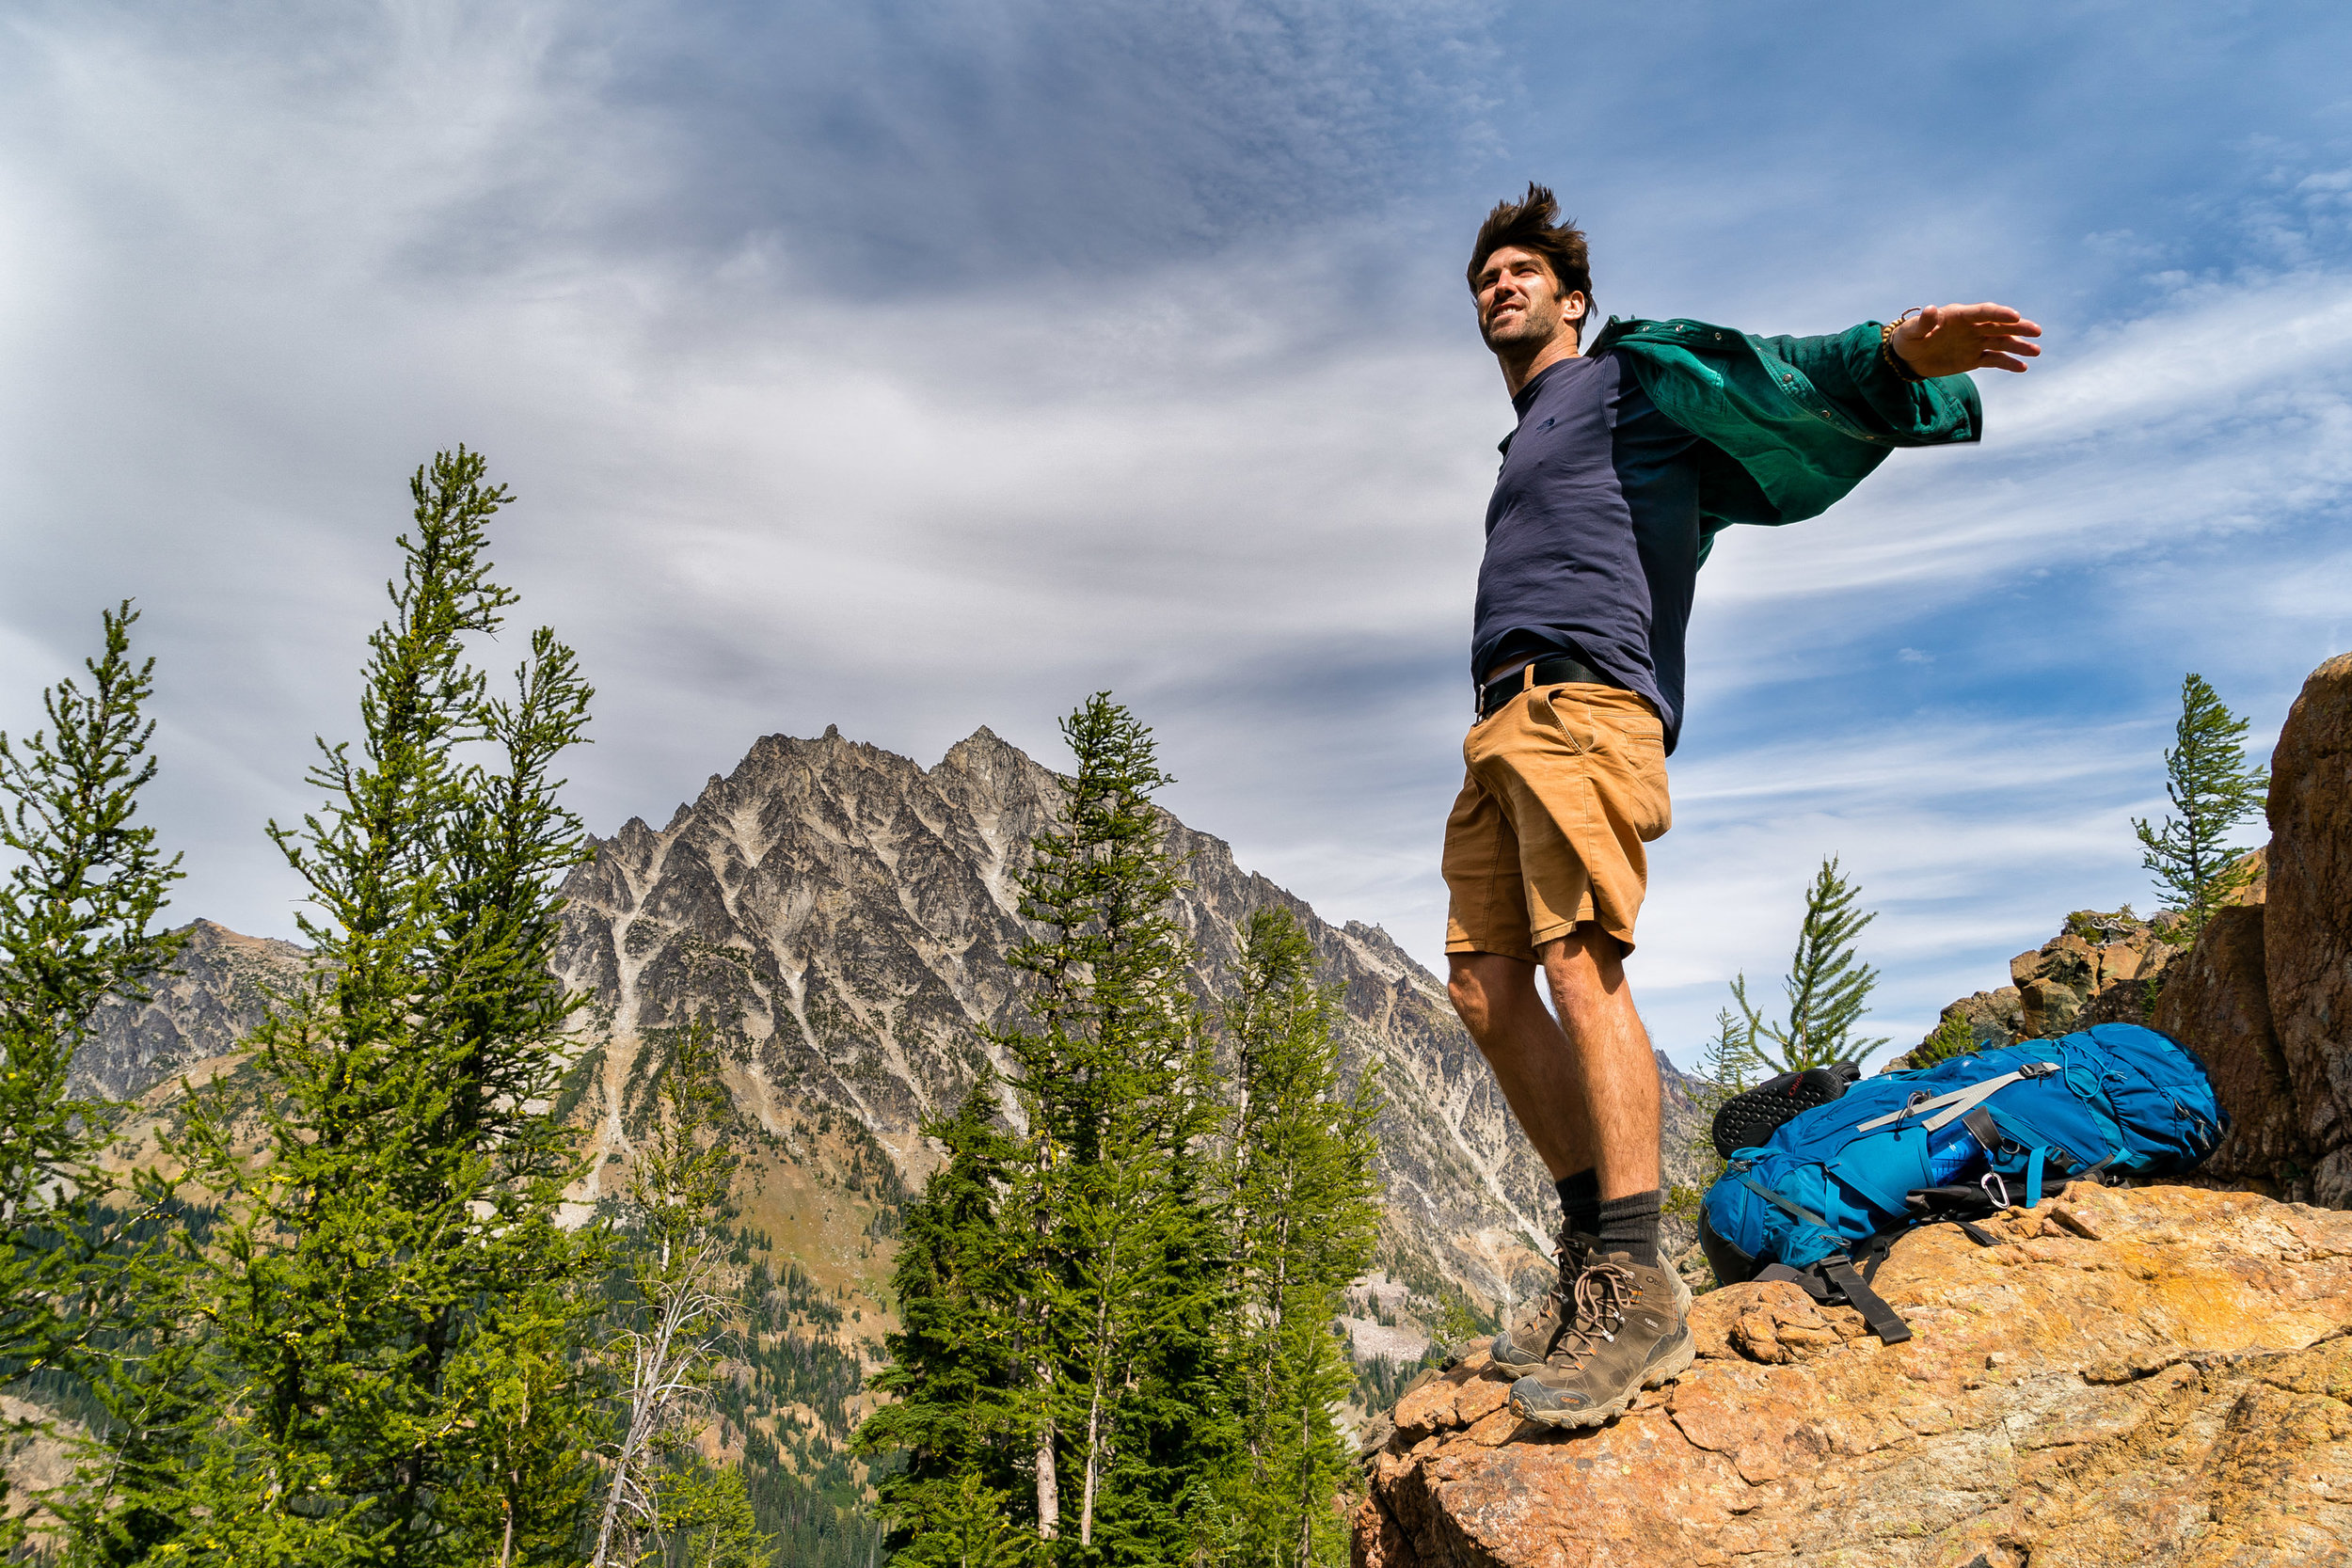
(1524, 679)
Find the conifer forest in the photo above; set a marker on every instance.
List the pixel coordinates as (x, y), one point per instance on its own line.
(337, 1299)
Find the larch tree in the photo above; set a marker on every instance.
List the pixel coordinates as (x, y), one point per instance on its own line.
(394, 1315)
(1828, 985)
(2214, 786)
(77, 915)
(1304, 1220)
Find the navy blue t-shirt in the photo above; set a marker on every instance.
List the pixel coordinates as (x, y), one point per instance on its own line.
(1593, 534)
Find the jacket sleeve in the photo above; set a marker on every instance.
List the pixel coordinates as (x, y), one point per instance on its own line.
(1847, 369)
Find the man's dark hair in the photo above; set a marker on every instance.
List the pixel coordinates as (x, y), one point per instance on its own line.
(1533, 224)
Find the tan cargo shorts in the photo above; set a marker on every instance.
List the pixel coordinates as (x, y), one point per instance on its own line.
(1565, 784)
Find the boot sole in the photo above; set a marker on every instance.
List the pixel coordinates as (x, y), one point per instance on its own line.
(1657, 1375)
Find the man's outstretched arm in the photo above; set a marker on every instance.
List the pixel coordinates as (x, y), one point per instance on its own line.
(1952, 339)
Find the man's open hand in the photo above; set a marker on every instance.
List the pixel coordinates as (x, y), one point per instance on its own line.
(1947, 340)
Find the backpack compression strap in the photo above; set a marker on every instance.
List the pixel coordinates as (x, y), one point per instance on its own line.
(1953, 1106)
(1793, 1206)
(1835, 1276)
(1885, 1320)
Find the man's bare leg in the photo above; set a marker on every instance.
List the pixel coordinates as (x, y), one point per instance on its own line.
(1587, 1096)
(1615, 1067)
(1584, 1088)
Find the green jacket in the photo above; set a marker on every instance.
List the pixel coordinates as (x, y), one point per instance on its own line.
(1792, 423)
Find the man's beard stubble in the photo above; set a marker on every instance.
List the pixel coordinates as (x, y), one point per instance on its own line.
(1526, 329)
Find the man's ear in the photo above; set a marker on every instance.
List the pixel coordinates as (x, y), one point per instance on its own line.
(1575, 306)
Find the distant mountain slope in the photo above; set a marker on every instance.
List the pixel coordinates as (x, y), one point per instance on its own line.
(218, 989)
(850, 913)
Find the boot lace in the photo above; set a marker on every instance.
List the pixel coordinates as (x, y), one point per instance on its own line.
(1593, 1306)
(1558, 1303)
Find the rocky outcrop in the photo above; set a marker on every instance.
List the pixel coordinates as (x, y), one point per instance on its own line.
(2306, 920)
(221, 984)
(2143, 1376)
(2100, 968)
(2218, 1000)
(2266, 995)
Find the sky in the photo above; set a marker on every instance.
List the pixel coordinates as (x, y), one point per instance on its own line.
(917, 365)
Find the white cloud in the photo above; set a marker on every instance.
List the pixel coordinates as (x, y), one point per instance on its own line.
(242, 293)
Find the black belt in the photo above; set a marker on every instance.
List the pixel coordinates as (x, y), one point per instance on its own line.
(1562, 670)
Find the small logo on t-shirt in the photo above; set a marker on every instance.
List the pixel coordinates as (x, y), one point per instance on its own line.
(1546, 425)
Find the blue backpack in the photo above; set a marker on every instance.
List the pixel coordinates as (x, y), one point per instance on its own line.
(1819, 1200)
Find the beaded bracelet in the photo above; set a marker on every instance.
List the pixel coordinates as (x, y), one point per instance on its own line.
(1886, 347)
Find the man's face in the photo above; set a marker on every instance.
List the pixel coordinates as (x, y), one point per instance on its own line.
(1519, 303)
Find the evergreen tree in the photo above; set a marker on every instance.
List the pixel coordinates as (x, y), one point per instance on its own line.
(955, 1387)
(394, 1314)
(1729, 1061)
(973, 1530)
(1304, 1219)
(1828, 985)
(681, 1181)
(1729, 1064)
(1953, 1035)
(1060, 1370)
(706, 1519)
(2214, 787)
(1116, 1292)
(76, 915)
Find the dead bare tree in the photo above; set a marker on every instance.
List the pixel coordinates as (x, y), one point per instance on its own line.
(681, 1177)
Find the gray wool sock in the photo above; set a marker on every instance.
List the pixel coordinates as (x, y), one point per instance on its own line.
(1630, 1223)
(1580, 1201)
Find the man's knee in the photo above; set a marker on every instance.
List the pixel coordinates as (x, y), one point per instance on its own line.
(1585, 969)
(1484, 986)
(1586, 956)
(1467, 991)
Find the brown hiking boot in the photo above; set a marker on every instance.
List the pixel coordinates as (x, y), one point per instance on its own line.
(1627, 1329)
(1523, 1347)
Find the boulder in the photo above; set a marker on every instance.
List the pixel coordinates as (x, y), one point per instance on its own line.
(2130, 1376)
(2266, 997)
(2100, 969)
(2218, 999)
(2307, 939)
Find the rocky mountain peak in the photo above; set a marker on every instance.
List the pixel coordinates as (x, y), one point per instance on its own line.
(223, 984)
(849, 911)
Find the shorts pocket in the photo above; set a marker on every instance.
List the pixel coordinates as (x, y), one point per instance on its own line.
(1637, 753)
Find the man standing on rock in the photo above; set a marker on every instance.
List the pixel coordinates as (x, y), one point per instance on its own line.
(1632, 451)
